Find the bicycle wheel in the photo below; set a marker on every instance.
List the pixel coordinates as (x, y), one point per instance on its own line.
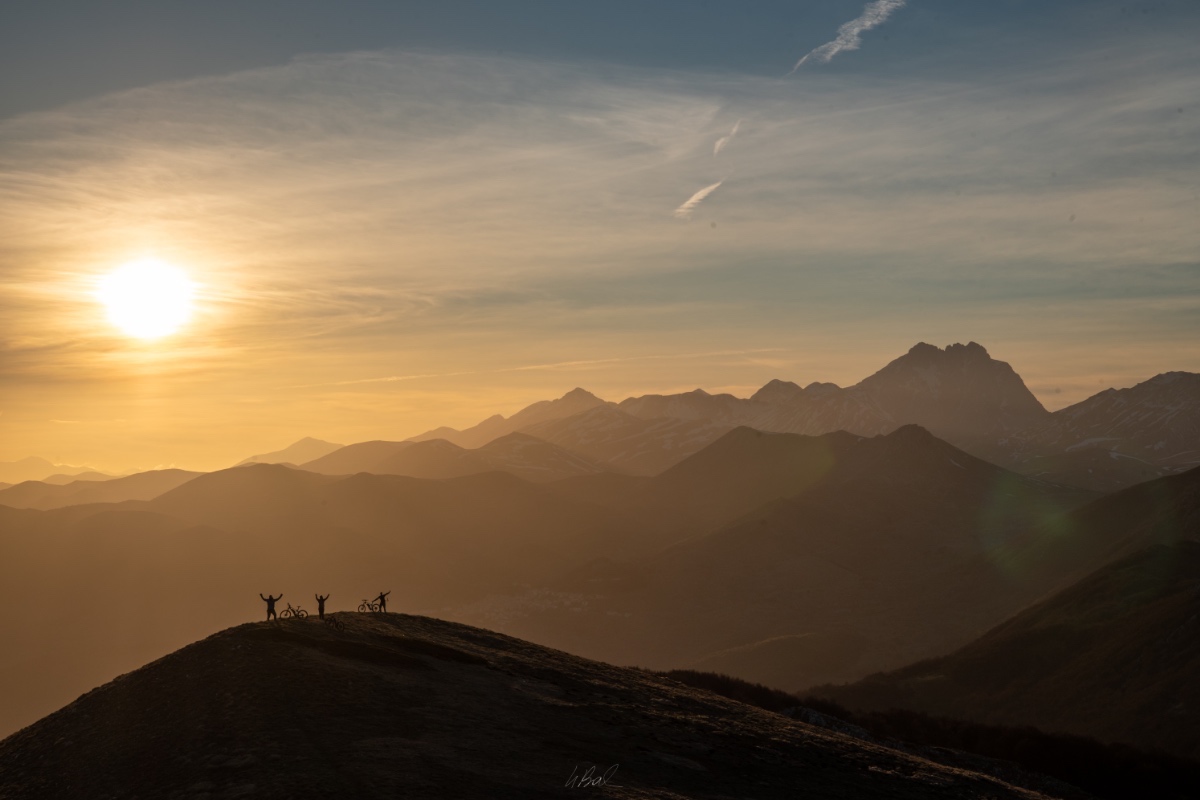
(285, 614)
(374, 606)
(362, 606)
(301, 613)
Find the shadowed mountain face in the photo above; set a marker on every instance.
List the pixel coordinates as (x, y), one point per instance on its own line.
(894, 547)
(1113, 657)
(140, 486)
(400, 706)
(960, 394)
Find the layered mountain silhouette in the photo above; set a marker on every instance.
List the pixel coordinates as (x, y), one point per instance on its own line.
(153, 575)
(1113, 657)
(519, 454)
(34, 469)
(139, 486)
(403, 706)
(640, 446)
(61, 478)
(304, 450)
(493, 547)
(959, 393)
(571, 403)
(804, 535)
(857, 552)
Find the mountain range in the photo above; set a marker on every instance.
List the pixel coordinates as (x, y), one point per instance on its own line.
(515, 453)
(35, 469)
(139, 486)
(306, 449)
(960, 393)
(665, 531)
(857, 552)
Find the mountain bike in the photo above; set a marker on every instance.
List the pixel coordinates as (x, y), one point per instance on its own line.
(298, 613)
(336, 624)
(367, 605)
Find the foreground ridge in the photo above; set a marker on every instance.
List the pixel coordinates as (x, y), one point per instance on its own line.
(409, 706)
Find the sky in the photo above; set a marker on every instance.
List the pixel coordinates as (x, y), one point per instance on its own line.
(404, 215)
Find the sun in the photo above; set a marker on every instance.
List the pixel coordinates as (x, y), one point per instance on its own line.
(147, 299)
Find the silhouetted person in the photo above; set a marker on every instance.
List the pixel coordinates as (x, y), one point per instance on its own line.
(382, 600)
(270, 601)
(321, 605)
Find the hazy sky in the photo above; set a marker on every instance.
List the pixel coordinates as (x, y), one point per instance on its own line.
(401, 214)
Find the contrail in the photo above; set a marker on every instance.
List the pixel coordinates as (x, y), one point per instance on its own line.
(724, 140)
(849, 35)
(685, 210)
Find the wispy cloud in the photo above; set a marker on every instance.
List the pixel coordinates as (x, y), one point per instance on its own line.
(719, 145)
(850, 34)
(685, 211)
(551, 366)
(401, 215)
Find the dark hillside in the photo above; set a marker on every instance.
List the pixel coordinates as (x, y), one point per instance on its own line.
(1114, 657)
(402, 706)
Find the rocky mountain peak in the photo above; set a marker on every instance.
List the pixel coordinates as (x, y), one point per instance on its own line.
(777, 391)
(959, 392)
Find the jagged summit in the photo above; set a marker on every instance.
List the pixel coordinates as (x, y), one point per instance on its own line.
(405, 706)
(968, 350)
(960, 393)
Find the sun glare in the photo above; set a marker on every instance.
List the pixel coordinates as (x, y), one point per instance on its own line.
(147, 299)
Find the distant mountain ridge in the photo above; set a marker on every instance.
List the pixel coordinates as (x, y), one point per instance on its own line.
(1157, 422)
(35, 468)
(307, 449)
(959, 393)
(139, 486)
(516, 453)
